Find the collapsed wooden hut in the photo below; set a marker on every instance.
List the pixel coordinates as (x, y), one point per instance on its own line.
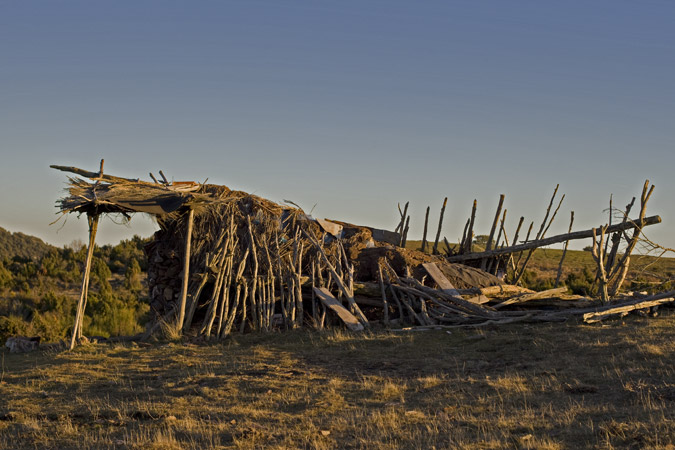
(226, 260)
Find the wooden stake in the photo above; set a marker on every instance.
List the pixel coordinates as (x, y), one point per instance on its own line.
(469, 233)
(440, 225)
(405, 232)
(426, 226)
(79, 315)
(384, 295)
(186, 268)
(488, 246)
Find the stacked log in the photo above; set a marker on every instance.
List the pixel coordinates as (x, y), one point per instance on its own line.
(164, 270)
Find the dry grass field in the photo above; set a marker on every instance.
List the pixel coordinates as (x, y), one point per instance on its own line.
(548, 386)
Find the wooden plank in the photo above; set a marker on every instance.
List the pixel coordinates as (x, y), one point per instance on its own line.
(550, 293)
(442, 282)
(331, 302)
(334, 229)
(478, 299)
(593, 317)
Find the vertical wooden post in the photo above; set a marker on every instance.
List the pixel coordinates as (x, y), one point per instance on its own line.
(79, 315)
(186, 269)
(440, 225)
(405, 232)
(488, 246)
(469, 232)
(426, 226)
(401, 225)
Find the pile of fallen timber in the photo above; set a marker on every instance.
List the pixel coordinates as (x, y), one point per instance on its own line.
(409, 303)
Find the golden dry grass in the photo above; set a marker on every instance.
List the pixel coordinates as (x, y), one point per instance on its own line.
(531, 387)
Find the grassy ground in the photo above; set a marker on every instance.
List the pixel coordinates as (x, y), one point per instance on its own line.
(546, 386)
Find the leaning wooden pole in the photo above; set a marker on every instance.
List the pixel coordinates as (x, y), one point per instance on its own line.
(469, 232)
(79, 315)
(186, 269)
(426, 227)
(440, 225)
(488, 246)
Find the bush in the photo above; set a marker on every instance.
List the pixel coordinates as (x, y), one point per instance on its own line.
(531, 281)
(581, 283)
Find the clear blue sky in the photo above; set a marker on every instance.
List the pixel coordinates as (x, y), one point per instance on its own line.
(351, 106)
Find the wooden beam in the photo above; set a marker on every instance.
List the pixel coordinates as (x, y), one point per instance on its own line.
(92, 175)
(652, 220)
(443, 283)
(331, 302)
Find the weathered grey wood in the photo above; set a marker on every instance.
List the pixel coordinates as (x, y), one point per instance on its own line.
(186, 269)
(91, 175)
(598, 254)
(384, 295)
(440, 226)
(81, 304)
(593, 317)
(331, 302)
(338, 280)
(426, 227)
(620, 270)
(534, 296)
(488, 245)
(404, 237)
(479, 299)
(443, 283)
(585, 234)
(562, 258)
(469, 233)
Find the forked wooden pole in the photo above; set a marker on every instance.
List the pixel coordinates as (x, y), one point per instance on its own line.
(186, 269)
(79, 315)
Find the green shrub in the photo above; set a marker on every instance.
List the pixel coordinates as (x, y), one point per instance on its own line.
(531, 281)
(581, 283)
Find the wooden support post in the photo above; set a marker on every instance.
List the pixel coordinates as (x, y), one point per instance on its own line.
(404, 239)
(469, 232)
(385, 304)
(426, 226)
(620, 270)
(440, 225)
(401, 225)
(488, 246)
(186, 269)
(79, 315)
(598, 257)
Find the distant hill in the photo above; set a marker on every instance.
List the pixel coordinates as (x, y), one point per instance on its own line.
(22, 245)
